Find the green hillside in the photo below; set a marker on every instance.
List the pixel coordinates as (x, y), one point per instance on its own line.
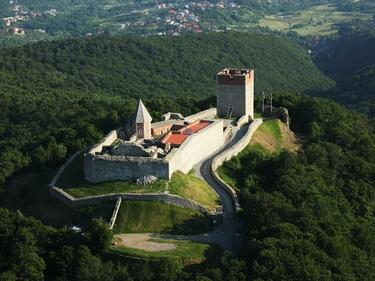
(157, 66)
(351, 62)
(310, 215)
(157, 217)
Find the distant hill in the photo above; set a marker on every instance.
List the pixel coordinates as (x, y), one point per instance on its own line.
(157, 66)
(351, 63)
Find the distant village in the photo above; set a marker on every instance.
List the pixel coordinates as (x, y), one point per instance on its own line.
(21, 13)
(180, 17)
(170, 19)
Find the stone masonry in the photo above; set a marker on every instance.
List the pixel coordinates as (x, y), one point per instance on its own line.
(235, 93)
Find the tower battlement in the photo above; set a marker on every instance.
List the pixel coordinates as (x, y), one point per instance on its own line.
(234, 76)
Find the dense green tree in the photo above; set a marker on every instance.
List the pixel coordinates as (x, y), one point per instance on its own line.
(310, 216)
(100, 236)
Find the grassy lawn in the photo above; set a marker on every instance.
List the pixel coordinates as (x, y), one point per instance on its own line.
(187, 186)
(186, 251)
(73, 182)
(157, 217)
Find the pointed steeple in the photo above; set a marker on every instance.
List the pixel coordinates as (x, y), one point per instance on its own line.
(142, 115)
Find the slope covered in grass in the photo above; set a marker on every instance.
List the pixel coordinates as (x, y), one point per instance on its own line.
(157, 217)
(274, 136)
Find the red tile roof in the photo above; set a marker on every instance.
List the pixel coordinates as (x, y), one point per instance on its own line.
(197, 126)
(176, 138)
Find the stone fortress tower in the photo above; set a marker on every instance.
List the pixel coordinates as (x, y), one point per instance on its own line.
(235, 93)
(143, 122)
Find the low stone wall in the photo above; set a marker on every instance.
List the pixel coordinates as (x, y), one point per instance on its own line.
(161, 197)
(239, 146)
(115, 212)
(227, 133)
(208, 113)
(71, 201)
(62, 169)
(108, 140)
(242, 121)
(229, 154)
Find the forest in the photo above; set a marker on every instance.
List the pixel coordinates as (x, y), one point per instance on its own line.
(157, 66)
(350, 61)
(310, 216)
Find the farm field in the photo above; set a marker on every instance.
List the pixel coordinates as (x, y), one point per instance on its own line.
(318, 20)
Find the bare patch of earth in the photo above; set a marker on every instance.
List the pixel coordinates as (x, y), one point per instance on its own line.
(144, 242)
(290, 141)
(268, 141)
(265, 139)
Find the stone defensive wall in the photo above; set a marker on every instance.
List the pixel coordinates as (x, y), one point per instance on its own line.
(195, 148)
(229, 154)
(208, 113)
(227, 133)
(242, 120)
(104, 167)
(171, 199)
(108, 140)
(99, 168)
(115, 212)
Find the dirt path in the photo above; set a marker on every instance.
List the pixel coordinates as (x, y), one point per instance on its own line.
(142, 241)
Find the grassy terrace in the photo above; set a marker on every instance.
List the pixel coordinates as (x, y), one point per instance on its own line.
(157, 217)
(187, 186)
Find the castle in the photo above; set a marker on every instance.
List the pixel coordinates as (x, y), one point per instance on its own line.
(176, 143)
